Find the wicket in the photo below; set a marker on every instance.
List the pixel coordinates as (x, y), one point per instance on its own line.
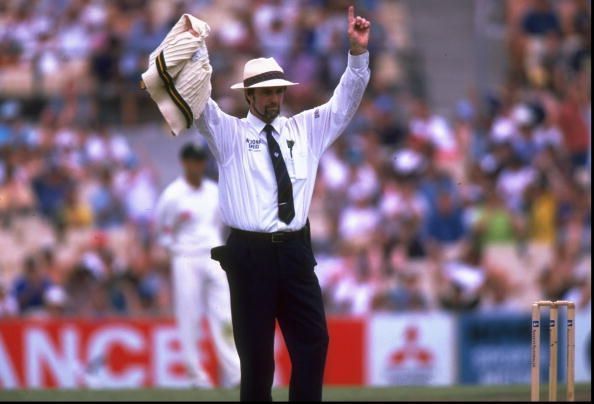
(553, 346)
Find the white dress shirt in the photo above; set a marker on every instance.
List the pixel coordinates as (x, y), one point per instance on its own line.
(247, 183)
(188, 219)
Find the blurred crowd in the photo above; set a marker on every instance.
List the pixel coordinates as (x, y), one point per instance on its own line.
(480, 209)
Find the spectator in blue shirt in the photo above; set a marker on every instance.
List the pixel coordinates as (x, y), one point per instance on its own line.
(31, 286)
(108, 209)
(541, 20)
(445, 224)
(435, 181)
(51, 188)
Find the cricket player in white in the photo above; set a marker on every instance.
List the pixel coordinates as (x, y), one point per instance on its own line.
(189, 225)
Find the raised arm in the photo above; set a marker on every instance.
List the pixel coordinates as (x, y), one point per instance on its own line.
(325, 123)
(217, 127)
(220, 131)
(358, 30)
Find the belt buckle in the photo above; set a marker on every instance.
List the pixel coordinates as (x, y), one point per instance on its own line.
(278, 237)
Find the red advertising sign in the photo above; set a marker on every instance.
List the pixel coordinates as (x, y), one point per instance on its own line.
(125, 353)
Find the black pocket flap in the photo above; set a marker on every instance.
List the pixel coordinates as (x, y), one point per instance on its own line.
(218, 253)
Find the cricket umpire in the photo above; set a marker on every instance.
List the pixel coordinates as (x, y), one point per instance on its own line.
(267, 169)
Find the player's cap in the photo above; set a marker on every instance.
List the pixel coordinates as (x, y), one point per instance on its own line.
(193, 150)
(263, 72)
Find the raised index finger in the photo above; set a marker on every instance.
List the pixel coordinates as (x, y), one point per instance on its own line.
(351, 14)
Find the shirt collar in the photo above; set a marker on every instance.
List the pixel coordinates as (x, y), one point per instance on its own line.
(189, 186)
(259, 125)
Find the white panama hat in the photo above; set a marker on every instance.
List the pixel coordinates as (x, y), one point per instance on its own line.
(262, 72)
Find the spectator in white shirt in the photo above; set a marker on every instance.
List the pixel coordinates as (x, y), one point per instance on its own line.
(8, 305)
(513, 182)
(359, 220)
(104, 148)
(138, 187)
(432, 128)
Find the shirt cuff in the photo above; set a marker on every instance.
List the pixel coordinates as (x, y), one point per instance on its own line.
(359, 61)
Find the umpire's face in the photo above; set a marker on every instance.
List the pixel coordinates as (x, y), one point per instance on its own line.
(265, 102)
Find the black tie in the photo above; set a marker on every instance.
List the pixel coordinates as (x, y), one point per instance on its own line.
(286, 209)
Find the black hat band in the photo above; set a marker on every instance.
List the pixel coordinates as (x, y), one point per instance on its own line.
(263, 77)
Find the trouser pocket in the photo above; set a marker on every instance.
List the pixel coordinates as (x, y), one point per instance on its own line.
(221, 255)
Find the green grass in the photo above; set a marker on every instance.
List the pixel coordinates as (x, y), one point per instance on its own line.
(456, 393)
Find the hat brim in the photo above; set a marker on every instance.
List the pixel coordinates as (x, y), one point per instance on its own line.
(267, 83)
(169, 110)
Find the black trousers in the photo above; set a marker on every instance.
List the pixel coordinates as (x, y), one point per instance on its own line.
(274, 280)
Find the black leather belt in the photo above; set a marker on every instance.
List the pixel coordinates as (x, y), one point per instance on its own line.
(276, 237)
